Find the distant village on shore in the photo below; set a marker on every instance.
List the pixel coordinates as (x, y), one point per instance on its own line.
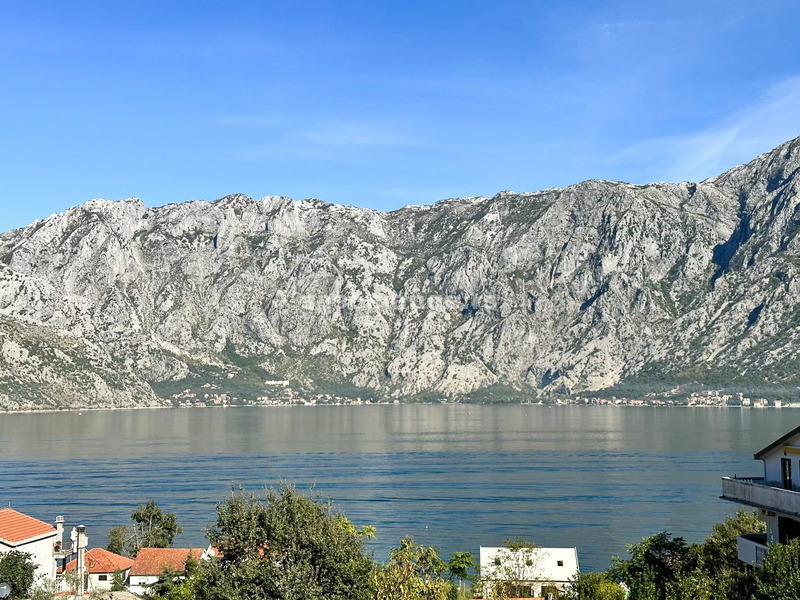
(281, 393)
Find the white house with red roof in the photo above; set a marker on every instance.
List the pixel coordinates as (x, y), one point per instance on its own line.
(24, 533)
(99, 568)
(150, 564)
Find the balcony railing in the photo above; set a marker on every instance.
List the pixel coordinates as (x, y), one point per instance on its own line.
(753, 491)
(759, 480)
(752, 548)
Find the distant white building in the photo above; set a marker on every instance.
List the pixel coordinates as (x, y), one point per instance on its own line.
(23, 533)
(533, 567)
(776, 495)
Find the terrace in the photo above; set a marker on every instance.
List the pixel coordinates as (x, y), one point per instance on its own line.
(754, 491)
(752, 548)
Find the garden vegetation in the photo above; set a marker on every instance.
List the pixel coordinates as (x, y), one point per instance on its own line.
(287, 545)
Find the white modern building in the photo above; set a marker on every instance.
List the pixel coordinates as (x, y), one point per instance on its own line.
(776, 495)
(24, 533)
(534, 566)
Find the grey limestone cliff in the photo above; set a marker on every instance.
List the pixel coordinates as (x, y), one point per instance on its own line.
(562, 290)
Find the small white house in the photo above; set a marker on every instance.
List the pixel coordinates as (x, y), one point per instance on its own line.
(23, 533)
(776, 495)
(99, 568)
(534, 566)
(150, 564)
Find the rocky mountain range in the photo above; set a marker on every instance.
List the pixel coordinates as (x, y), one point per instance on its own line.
(567, 290)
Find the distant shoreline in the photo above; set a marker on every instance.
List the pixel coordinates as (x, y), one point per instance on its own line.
(32, 411)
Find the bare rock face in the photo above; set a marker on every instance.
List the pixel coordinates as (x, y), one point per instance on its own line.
(563, 290)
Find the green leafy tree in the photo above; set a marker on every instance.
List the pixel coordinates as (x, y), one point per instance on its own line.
(779, 579)
(72, 580)
(16, 569)
(413, 572)
(118, 581)
(44, 590)
(462, 566)
(719, 556)
(151, 528)
(177, 585)
(655, 563)
(644, 587)
(286, 546)
(693, 585)
(720, 548)
(168, 586)
(551, 589)
(118, 539)
(593, 586)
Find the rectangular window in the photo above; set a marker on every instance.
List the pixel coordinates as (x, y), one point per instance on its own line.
(560, 563)
(102, 578)
(786, 473)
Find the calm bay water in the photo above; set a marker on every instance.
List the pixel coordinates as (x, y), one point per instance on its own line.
(455, 477)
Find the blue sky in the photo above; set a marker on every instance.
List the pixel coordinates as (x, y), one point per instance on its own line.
(382, 104)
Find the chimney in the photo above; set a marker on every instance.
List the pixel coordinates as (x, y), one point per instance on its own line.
(59, 533)
(81, 544)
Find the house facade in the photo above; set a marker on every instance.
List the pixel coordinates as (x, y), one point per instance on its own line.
(150, 564)
(533, 567)
(24, 533)
(776, 495)
(99, 568)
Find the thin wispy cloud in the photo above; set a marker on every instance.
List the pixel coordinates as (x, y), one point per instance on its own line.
(757, 127)
(257, 122)
(617, 28)
(296, 136)
(355, 133)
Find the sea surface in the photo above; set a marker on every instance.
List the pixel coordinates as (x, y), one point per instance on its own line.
(453, 476)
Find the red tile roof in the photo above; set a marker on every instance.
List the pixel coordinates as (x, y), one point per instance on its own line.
(152, 561)
(99, 560)
(17, 527)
